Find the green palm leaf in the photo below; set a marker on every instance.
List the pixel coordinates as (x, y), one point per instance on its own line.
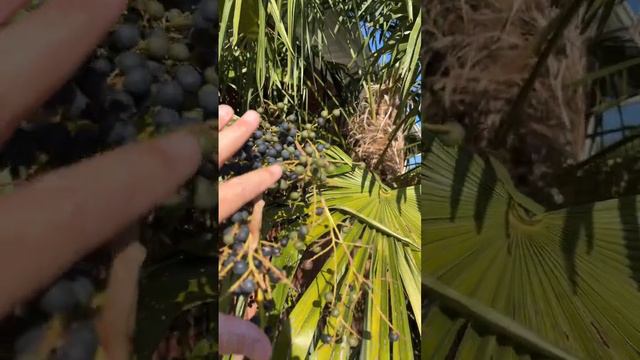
(559, 284)
(378, 258)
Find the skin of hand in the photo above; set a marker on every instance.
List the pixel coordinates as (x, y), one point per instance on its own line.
(52, 221)
(237, 336)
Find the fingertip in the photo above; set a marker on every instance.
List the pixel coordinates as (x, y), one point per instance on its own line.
(252, 118)
(275, 171)
(183, 148)
(225, 111)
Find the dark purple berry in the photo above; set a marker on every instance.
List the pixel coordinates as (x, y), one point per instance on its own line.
(170, 94)
(126, 36)
(138, 81)
(189, 78)
(240, 267)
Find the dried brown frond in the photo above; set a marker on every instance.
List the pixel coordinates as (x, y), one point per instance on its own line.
(478, 55)
(369, 130)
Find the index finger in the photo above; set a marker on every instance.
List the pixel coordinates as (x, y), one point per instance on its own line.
(43, 49)
(62, 216)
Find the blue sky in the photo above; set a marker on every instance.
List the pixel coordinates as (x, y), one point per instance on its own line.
(629, 114)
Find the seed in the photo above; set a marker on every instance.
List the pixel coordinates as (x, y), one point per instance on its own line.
(267, 251)
(138, 81)
(248, 286)
(294, 195)
(274, 277)
(240, 267)
(326, 338)
(83, 289)
(208, 99)
(324, 114)
(328, 296)
(228, 238)
(166, 118)
(353, 340)
(243, 233)
(179, 51)
(59, 299)
(189, 78)
(257, 263)
(299, 245)
(170, 95)
(335, 312)
(155, 9)
(129, 60)
(336, 112)
(394, 336)
(126, 36)
(158, 46)
(174, 15)
(237, 217)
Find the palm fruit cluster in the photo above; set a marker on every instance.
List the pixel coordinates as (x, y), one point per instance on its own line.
(298, 142)
(295, 143)
(155, 72)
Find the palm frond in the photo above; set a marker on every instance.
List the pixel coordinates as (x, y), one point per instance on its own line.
(570, 277)
(371, 237)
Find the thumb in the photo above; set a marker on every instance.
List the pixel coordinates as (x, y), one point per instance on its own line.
(240, 337)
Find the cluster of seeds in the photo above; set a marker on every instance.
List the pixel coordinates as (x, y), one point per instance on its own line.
(283, 138)
(69, 299)
(154, 73)
(296, 143)
(245, 258)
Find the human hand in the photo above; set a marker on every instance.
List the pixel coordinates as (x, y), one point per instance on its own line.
(49, 223)
(236, 336)
(233, 194)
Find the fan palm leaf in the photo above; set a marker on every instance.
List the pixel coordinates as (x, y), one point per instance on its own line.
(371, 271)
(559, 284)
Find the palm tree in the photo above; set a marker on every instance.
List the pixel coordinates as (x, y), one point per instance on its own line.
(361, 293)
(509, 276)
